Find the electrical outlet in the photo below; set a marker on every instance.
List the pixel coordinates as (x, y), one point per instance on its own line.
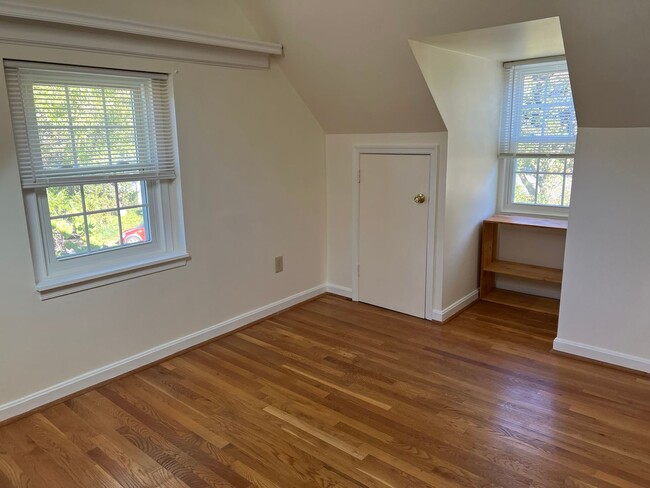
(279, 264)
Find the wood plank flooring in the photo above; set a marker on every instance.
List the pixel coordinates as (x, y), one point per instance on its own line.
(340, 394)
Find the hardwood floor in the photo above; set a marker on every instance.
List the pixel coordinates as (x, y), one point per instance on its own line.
(335, 393)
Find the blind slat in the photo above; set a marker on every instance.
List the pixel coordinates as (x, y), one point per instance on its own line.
(538, 116)
(86, 126)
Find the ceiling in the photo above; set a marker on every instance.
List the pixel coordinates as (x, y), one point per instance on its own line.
(352, 64)
(511, 42)
(351, 60)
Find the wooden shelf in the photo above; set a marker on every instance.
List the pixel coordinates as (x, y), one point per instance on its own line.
(521, 300)
(530, 271)
(491, 266)
(528, 221)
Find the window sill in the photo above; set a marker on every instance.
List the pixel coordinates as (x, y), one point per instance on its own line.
(542, 212)
(56, 287)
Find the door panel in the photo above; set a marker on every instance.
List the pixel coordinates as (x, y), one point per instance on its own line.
(393, 231)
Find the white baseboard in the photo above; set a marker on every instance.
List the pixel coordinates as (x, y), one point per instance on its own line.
(603, 355)
(91, 378)
(342, 291)
(454, 308)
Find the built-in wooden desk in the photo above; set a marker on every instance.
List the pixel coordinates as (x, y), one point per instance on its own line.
(491, 266)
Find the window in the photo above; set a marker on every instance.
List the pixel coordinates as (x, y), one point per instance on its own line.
(98, 167)
(537, 139)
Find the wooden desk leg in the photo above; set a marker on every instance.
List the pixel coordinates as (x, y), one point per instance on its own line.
(489, 241)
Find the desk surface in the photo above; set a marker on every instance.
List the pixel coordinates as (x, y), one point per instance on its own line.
(526, 221)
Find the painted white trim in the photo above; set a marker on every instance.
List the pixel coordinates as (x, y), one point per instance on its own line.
(546, 59)
(603, 355)
(342, 291)
(454, 308)
(59, 16)
(430, 150)
(52, 288)
(91, 378)
(504, 196)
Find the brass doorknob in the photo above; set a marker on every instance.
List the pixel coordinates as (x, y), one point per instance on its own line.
(420, 198)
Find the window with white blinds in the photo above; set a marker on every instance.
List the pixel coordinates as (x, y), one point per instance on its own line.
(83, 125)
(96, 152)
(537, 135)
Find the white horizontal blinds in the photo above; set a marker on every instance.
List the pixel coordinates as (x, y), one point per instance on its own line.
(538, 117)
(506, 112)
(87, 126)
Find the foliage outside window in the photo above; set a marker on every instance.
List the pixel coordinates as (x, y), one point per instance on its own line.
(91, 218)
(537, 139)
(98, 169)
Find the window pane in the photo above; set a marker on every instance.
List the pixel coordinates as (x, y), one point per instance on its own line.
(560, 121)
(104, 221)
(69, 236)
(86, 105)
(558, 89)
(567, 190)
(64, 200)
(56, 148)
(534, 88)
(103, 230)
(525, 188)
(51, 105)
(526, 165)
(133, 226)
(551, 165)
(131, 193)
(91, 146)
(123, 149)
(119, 108)
(549, 191)
(531, 122)
(569, 165)
(100, 197)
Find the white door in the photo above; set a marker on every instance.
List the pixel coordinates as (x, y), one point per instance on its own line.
(393, 231)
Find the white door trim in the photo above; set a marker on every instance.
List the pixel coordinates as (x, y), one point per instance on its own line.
(430, 150)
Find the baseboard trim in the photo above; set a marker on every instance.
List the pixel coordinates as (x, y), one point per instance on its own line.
(455, 308)
(342, 291)
(602, 355)
(106, 373)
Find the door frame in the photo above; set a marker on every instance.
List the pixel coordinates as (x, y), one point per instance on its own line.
(430, 150)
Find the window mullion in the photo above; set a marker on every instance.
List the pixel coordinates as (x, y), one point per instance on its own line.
(119, 213)
(564, 180)
(83, 209)
(108, 142)
(73, 140)
(537, 182)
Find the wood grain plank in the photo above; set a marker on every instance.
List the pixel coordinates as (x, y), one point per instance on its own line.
(342, 394)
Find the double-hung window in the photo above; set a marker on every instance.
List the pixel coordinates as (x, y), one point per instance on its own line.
(537, 138)
(98, 166)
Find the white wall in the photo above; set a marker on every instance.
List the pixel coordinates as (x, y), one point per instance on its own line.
(253, 175)
(542, 247)
(604, 311)
(467, 90)
(340, 181)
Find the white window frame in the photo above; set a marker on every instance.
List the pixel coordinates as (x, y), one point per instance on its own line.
(506, 182)
(166, 248)
(505, 194)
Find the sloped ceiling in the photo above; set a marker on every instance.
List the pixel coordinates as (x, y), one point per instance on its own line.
(352, 64)
(525, 40)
